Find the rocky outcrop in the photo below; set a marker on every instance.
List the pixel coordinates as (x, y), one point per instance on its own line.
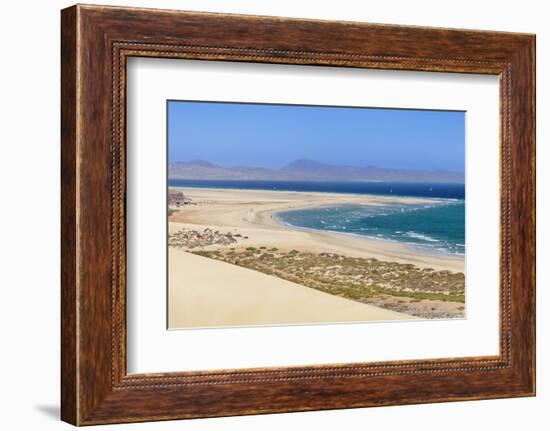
(192, 239)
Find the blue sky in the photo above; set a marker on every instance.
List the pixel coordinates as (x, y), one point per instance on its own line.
(261, 135)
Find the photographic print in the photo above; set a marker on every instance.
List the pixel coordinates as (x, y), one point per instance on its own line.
(289, 207)
(297, 214)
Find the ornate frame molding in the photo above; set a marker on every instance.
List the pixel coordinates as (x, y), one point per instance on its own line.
(96, 41)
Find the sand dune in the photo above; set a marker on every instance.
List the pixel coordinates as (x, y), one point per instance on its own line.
(205, 293)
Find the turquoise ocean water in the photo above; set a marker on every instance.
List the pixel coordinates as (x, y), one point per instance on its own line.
(437, 226)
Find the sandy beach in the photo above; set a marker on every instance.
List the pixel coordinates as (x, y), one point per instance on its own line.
(210, 287)
(251, 213)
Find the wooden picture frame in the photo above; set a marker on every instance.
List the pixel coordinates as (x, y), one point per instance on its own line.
(95, 43)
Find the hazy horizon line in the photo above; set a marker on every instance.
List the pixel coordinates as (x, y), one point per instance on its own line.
(315, 161)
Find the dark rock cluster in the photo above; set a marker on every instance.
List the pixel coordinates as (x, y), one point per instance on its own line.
(190, 239)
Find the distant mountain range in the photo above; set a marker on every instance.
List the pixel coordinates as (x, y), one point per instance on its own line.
(307, 170)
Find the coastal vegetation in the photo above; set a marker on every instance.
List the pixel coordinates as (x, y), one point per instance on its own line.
(404, 287)
(397, 286)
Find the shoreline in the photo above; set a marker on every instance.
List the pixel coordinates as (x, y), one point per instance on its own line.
(412, 246)
(252, 213)
(372, 195)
